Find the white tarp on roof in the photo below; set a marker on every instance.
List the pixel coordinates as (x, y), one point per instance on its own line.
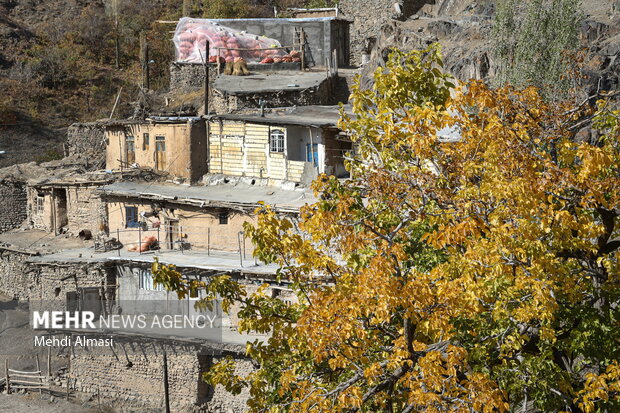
(191, 37)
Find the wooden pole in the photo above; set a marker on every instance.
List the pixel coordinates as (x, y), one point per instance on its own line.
(240, 255)
(187, 8)
(6, 375)
(39, 370)
(303, 49)
(49, 362)
(117, 40)
(54, 221)
(116, 102)
(335, 64)
(69, 363)
(166, 390)
(206, 65)
(217, 62)
(144, 60)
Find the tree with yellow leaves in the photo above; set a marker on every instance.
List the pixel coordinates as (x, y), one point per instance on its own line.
(469, 264)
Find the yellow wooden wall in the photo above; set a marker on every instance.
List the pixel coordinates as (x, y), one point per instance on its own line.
(242, 149)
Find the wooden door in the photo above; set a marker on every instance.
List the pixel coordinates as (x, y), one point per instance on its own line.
(160, 153)
(130, 150)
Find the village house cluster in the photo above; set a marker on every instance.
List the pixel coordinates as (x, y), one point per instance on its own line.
(175, 184)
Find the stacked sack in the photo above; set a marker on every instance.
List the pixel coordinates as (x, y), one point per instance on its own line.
(293, 56)
(191, 37)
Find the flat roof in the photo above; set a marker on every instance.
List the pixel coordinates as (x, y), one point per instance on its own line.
(235, 195)
(313, 116)
(265, 82)
(35, 242)
(217, 261)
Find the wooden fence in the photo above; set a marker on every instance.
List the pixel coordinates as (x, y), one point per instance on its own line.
(25, 380)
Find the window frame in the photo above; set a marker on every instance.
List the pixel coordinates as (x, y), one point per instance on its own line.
(146, 140)
(277, 140)
(146, 282)
(135, 222)
(160, 139)
(39, 206)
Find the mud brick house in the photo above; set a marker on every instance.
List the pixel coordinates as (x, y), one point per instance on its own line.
(173, 145)
(177, 189)
(71, 206)
(206, 217)
(293, 144)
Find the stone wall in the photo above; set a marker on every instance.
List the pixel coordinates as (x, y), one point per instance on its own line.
(188, 76)
(87, 141)
(13, 204)
(17, 277)
(76, 208)
(369, 16)
(25, 278)
(130, 375)
(250, 102)
(85, 210)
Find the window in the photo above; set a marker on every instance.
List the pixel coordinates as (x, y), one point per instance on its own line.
(130, 150)
(131, 217)
(223, 218)
(40, 205)
(276, 140)
(145, 141)
(146, 282)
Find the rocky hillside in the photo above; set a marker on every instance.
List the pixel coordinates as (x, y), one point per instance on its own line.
(463, 27)
(57, 57)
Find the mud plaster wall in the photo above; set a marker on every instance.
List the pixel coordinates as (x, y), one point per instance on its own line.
(131, 375)
(201, 226)
(84, 209)
(185, 154)
(13, 205)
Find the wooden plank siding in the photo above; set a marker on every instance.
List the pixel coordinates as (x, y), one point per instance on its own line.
(242, 149)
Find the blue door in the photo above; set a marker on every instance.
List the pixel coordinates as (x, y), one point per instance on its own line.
(313, 155)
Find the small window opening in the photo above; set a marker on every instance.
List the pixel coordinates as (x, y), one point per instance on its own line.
(223, 218)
